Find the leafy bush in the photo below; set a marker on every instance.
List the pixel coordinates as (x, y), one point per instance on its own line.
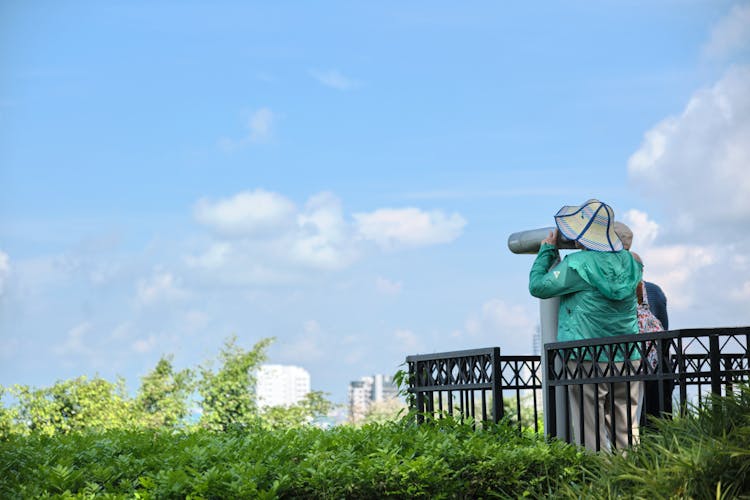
(442, 460)
(71, 406)
(705, 454)
(162, 400)
(228, 394)
(227, 400)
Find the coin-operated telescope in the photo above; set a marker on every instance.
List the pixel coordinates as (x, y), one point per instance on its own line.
(526, 242)
(529, 242)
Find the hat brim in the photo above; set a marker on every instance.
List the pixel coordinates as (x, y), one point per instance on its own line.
(590, 224)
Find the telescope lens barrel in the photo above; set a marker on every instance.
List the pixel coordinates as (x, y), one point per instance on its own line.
(528, 242)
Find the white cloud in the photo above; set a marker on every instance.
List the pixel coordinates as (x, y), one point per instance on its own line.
(730, 34)
(354, 357)
(679, 270)
(247, 213)
(104, 273)
(644, 229)
(407, 341)
(214, 257)
(261, 237)
(706, 284)
(674, 267)
(334, 79)
(121, 331)
(302, 349)
(9, 348)
(161, 287)
(260, 125)
(696, 163)
(75, 342)
(195, 320)
(143, 346)
(311, 326)
(510, 326)
(271, 240)
(387, 287)
(38, 275)
(502, 316)
(392, 228)
(260, 129)
(323, 238)
(242, 263)
(4, 270)
(741, 293)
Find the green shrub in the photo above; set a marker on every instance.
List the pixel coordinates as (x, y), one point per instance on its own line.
(442, 460)
(705, 454)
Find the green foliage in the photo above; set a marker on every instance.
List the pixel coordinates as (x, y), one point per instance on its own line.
(162, 399)
(312, 406)
(511, 408)
(385, 411)
(9, 418)
(705, 454)
(74, 405)
(402, 378)
(525, 405)
(228, 400)
(228, 395)
(442, 460)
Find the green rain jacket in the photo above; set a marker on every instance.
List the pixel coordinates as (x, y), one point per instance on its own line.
(596, 290)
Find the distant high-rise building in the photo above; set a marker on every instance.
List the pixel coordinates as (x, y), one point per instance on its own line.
(359, 397)
(383, 388)
(281, 385)
(368, 390)
(536, 347)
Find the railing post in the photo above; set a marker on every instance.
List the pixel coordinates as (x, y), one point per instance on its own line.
(682, 378)
(714, 356)
(661, 369)
(549, 394)
(419, 396)
(497, 387)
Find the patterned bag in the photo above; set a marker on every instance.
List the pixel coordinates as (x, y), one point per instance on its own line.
(648, 323)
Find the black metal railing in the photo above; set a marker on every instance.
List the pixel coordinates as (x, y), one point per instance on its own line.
(613, 375)
(465, 384)
(616, 388)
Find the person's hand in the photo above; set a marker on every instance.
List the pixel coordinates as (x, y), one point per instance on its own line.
(551, 238)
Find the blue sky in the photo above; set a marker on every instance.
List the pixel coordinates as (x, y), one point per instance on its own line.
(344, 176)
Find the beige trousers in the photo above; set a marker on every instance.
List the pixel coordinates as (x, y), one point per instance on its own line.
(609, 401)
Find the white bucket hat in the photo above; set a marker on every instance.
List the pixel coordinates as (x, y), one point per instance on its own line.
(591, 224)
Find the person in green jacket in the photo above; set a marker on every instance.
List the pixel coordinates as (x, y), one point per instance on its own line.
(597, 290)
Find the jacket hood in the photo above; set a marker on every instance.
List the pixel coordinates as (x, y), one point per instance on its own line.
(614, 274)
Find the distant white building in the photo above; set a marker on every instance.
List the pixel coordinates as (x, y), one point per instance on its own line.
(359, 397)
(368, 390)
(536, 341)
(281, 385)
(536, 349)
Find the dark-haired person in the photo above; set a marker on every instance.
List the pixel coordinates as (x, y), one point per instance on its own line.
(657, 304)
